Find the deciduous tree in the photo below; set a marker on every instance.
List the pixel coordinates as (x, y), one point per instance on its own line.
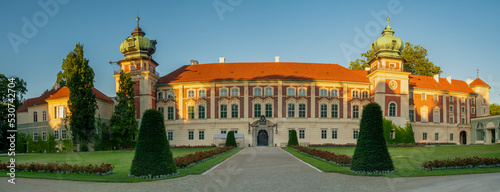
(494, 109)
(123, 122)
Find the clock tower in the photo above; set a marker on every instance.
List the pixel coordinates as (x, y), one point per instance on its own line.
(389, 81)
(138, 61)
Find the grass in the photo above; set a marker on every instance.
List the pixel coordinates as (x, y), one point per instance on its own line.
(120, 159)
(407, 160)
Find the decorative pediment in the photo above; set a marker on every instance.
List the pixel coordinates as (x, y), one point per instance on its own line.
(170, 103)
(223, 101)
(355, 102)
(323, 100)
(234, 101)
(269, 100)
(291, 100)
(259, 122)
(335, 101)
(365, 102)
(190, 102)
(257, 100)
(202, 102)
(302, 100)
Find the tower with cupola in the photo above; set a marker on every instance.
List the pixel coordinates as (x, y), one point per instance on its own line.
(388, 78)
(137, 51)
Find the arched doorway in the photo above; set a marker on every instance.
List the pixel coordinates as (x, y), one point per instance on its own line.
(463, 138)
(262, 138)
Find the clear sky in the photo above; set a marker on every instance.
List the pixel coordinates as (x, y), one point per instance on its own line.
(460, 36)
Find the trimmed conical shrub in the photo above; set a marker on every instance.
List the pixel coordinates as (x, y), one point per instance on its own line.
(292, 139)
(371, 155)
(231, 140)
(153, 157)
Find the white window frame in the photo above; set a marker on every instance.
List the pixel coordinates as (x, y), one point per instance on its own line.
(202, 93)
(223, 92)
(266, 91)
(424, 136)
(323, 92)
(355, 93)
(220, 111)
(463, 119)
(436, 136)
(255, 91)
(233, 111)
(365, 94)
(162, 110)
(323, 134)
(323, 110)
(335, 113)
(204, 111)
(170, 94)
(191, 93)
(304, 111)
(35, 116)
(168, 113)
(424, 97)
(334, 93)
(235, 92)
(56, 134)
(302, 91)
(473, 110)
(393, 109)
(452, 118)
(44, 116)
(355, 112)
(290, 91)
(64, 134)
(290, 108)
(265, 110)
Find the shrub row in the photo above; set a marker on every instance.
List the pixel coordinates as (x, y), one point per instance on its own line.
(354, 145)
(435, 143)
(58, 167)
(338, 159)
(461, 163)
(193, 158)
(192, 146)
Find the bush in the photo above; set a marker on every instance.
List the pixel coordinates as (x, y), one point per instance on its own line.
(338, 159)
(292, 139)
(153, 157)
(193, 158)
(461, 163)
(402, 135)
(231, 140)
(371, 155)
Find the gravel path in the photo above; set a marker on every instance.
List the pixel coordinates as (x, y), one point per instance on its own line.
(269, 169)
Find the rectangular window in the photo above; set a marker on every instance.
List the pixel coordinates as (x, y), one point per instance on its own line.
(191, 135)
(35, 136)
(473, 100)
(257, 108)
(170, 113)
(412, 115)
(59, 112)
(451, 108)
(201, 135)
(44, 116)
(334, 134)
(473, 110)
(63, 134)
(451, 99)
(56, 134)
(392, 134)
(452, 120)
(269, 110)
(424, 136)
(190, 112)
(436, 116)
(436, 97)
(257, 91)
(463, 109)
(424, 97)
(463, 119)
(291, 110)
(424, 116)
(335, 111)
(202, 93)
(323, 111)
(355, 111)
(323, 134)
(451, 137)
(170, 135)
(411, 95)
(223, 132)
(223, 92)
(162, 110)
(223, 111)
(355, 134)
(201, 112)
(302, 110)
(436, 136)
(235, 92)
(302, 134)
(44, 136)
(234, 111)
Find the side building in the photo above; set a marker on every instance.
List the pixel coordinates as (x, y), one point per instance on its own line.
(48, 114)
(263, 101)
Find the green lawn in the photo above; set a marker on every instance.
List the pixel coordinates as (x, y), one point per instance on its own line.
(407, 160)
(120, 159)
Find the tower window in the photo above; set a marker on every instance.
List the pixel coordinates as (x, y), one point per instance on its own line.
(392, 110)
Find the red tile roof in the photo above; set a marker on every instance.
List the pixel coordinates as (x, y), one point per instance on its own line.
(64, 92)
(56, 94)
(425, 82)
(479, 82)
(263, 70)
(36, 101)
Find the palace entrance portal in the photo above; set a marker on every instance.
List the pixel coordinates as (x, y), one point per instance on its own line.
(262, 138)
(262, 132)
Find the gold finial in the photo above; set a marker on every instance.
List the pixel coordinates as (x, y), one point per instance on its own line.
(137, 21)
(388, 19)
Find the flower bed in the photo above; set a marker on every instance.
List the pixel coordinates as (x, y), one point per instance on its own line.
(58, 167)
(191, 159)
(461, 163)
(354, 145)
(192, 146)
(338, 159)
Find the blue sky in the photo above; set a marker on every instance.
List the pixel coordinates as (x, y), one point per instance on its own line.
(460, 36)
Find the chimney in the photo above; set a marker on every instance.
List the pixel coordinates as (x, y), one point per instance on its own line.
(468, 81)
(448, 79)
(194, 62)
(436, 77)
(277, 59)
(222, 60)
(367, 68)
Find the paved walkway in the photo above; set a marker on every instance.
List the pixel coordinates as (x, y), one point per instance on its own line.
(270, 169)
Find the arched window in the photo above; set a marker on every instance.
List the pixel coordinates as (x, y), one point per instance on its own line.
(269, 91)
(302, 92)
(44, 116)
(323, 93)
(257, 91)
(355, 111)
(191, 93)
(290, 91)
(170, 94)
(392, 109)
(202, 93)
(334, 93)
(235, 92)
(223, 92)
(35, 117)
(480, 125)
(355, 93)
(161, 95)
(365, 95)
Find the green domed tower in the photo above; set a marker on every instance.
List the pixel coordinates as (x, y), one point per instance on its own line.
(138, 61)
(389, 81)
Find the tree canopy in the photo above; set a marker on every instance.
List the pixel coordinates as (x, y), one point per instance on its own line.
(415, 56)
(494, 109)
(82, 100)
(5, 99)
(123, 123)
